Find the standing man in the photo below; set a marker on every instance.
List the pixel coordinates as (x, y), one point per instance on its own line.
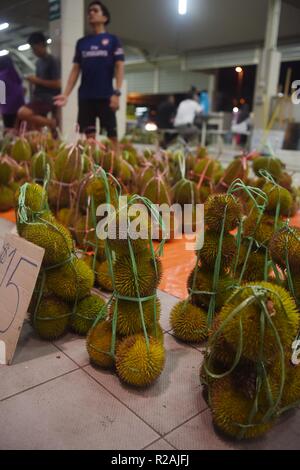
(166, 113)
(46, 83)
(98, 57)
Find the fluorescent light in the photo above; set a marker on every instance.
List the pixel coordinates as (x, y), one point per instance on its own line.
(49, 41)
(151, 127)
(182, 7)
(235, 110)
(4, 52)
(238, 69)
(24, 47)
(4, 26)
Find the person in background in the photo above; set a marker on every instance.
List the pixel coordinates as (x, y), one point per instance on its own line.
(14, 92)
(98, 57)
(204, 101)
(187, 112)
(166, 113)
(46, 84)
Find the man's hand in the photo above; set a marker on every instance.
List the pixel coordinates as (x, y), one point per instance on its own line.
(32, 79)
(115, 103)
(60, 100)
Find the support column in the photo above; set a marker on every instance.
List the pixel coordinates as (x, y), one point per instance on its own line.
(268, 70)
(65, 29)
(156, 79)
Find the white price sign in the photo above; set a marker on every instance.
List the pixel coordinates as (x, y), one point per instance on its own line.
(20, 263)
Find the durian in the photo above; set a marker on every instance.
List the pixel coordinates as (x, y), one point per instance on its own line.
(5, 173)
(53, 237)
(285, 247)
(21, 150)
(104, 277)
(189, 323)
(129, 316)
(68, 165)
(281, 309)
(277, 195)
(209, 252)
(71, 281)
(86, 313)
(99, 343)
(270, 164)
(135, 364)
(148, 278)
(52, 318)
(7, 199)
(215, 208)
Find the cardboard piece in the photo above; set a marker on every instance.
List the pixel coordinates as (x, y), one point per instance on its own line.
(20, 264)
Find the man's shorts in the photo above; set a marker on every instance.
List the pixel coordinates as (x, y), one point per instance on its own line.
(90, 110)
(41, 108)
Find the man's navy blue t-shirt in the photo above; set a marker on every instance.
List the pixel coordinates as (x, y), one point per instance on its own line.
(97, 55)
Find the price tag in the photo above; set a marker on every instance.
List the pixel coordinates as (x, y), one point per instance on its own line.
(20, 263)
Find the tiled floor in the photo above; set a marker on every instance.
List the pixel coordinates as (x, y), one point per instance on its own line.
(52, 398)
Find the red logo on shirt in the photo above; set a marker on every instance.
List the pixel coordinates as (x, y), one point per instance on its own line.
(105, 42)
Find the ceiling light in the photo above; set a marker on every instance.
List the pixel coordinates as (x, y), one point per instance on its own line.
(4, 52)
(49, 41)
(238, 69)
(4, 26)
(182, 7)
(24, 47)
(235, 109)
(151, 127)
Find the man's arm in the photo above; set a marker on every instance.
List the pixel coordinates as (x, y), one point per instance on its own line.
(53, 84)
(119, 76)
(61, 100)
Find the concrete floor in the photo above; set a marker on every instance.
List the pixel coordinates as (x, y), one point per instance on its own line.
(51, 398)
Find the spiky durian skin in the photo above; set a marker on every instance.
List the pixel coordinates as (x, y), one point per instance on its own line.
(104, 277)
(35, 198)
(5, 173)
(283, 313)
(68, 165)
(291, 392)
(147, 277)
(129, 321)
(119, 241)
(66, 217)
(285, 246)
(135, 364)
(21, 150)
(204, 283)
(189, 323)
(215, 208)
(71, 281)
(99, 342)
(6, 199)
(186, 192)
(220, 351)
(230, 408)
(261, 228)
(158, 191)
(277, 195)
(209, 252)
(236, 170)
(39, 165)
(205, 166)
(272, 165)
(54, 238)
(52, 318)
(255, 266)
(96, 189)
(86, 313)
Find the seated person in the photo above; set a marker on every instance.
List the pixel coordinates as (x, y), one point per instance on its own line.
(187, 112)
(46, 83)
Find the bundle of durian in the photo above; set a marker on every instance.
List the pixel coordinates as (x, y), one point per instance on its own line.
(8, 186)
(276, 169)
(62, 297)
(130, 338)
(210, 283)
(238, 169)
(247, 376)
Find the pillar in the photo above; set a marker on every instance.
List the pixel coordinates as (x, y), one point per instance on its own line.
(268, 70)
(66, 27)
